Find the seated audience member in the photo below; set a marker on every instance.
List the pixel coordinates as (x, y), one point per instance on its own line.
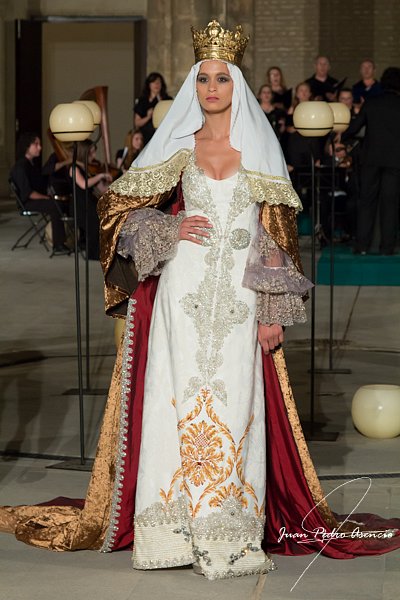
(97, 184)
(276, 116)
(32, 187)
(380, 164)
(154, 90)
(56, 171)
(133, 145)
(368, 86)
(282, 97)
(323, 86)
(345, 192)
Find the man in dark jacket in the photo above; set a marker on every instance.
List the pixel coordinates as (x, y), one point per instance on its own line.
(380, 164)
(322, 85)
(32, 187)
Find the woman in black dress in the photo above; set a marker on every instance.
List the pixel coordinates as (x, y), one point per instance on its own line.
(154, 90)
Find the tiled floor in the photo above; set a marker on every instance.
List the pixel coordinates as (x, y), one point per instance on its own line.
(37, 295)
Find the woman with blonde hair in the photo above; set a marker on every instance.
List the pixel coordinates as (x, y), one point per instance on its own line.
(133, 145)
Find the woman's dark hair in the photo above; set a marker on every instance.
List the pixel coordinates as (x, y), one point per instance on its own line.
(82, 149)
(390, 79)
(24, 141)
(149, 79)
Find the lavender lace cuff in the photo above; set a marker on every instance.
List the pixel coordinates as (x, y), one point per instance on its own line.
(279, 285)
(150, 238)
(283, 309)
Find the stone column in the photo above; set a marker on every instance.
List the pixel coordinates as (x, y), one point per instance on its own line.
(241, 12)
(159, 31)
(185, 15)
(169, 41)
(4, 166)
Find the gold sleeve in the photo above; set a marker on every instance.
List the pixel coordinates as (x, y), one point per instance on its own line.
(120, 277)
(280, 222)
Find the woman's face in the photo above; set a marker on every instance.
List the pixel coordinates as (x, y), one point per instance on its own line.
(35, 148)
(303, 93)
(266, 94)
(137, 141)
(346, 98)
(155, 86)
(275, 77)
(214, 86)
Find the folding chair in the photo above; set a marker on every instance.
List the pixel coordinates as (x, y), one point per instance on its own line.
(38, 222)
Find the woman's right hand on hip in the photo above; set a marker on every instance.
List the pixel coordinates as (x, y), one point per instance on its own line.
(194, 226)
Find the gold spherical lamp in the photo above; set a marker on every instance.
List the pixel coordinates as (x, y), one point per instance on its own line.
(160, 111)
(375, 410)
(72, 122)
(313, 119)
(341, 116)
(94, 109)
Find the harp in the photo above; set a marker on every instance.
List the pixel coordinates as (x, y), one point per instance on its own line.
(99, 95)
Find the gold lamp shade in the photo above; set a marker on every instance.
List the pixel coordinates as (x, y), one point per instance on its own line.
(72, 122)
(94, 109)
(313, 118)
(160, 110)
(341, 116)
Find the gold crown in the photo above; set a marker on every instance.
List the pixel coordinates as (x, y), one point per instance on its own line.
(214, 42)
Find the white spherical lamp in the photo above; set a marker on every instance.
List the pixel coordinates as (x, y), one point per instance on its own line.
(160, 111)
(375, 410)
(341, 116)
(72, 122)
(313, 118)
(94, 109)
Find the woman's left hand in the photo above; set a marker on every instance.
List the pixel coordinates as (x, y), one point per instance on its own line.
(270, 337)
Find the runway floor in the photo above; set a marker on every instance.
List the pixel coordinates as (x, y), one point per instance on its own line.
(39, 417)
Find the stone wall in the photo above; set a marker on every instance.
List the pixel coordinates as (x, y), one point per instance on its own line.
(288, 34)
(347, 36)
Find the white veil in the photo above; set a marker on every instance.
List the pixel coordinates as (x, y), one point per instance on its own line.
(251, 133)
(159, 165)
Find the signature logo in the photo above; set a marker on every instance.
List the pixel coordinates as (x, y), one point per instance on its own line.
(320, 535)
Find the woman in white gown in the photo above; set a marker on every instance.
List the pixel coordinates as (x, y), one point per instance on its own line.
(201, 446)
(203, 449)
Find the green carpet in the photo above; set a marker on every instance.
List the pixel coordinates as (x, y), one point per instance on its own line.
(303, 224)
(354, 269)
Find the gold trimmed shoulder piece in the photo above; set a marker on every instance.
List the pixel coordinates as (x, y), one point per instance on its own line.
(273, 190)
(156, 179)
(217, 43)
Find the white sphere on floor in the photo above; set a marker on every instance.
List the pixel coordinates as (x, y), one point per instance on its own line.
(376, 410)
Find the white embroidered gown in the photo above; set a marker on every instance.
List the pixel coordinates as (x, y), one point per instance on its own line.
(201, 482)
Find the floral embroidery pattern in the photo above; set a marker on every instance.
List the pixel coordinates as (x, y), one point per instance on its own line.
(201, 453)
(209, 457)
(227, 491)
